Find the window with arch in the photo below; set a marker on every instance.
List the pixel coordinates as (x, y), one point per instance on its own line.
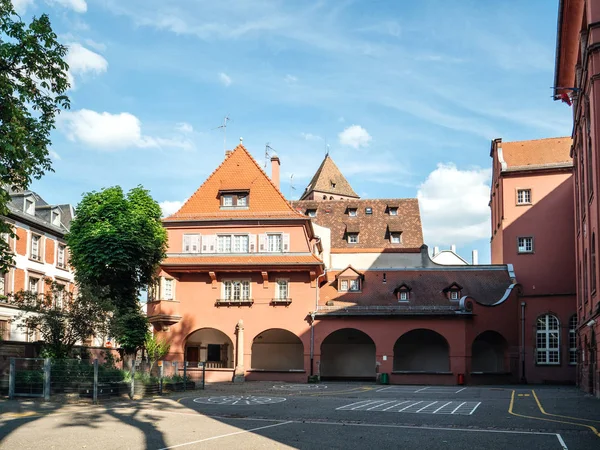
(573, 339)
(593, 264)
(548, 340)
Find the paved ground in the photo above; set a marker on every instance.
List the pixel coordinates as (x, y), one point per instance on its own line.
(335, 415)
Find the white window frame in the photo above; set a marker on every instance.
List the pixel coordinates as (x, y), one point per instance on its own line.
(547, 326)
(573, 340)
(352, 212)
(274, 249)
(240, 239)
(311, 213)
(227, 200)
(222, 241)
(236, 288)
(38, 280)
(168, 284)
(61, 253)
(3, 283)
(190, 238)
(282, 287)
(354, 285)
(396, 238)
(368, 210)
(242, 201)
(55, 218)
(454, 295)
(403, 296)
(29, 206)
(522, 242)
(352, 238)
(38, 254)
(523, 196)
(60, 296)
(344, 285)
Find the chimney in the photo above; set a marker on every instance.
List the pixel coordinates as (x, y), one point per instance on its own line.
(453, 248)
(436, 250)
(475, 258)
(275, 170)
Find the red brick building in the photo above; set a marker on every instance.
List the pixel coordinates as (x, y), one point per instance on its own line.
(576, 74)
(531, 182)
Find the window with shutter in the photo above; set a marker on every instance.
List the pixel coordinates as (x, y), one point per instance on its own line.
(252, 243)
(286, 242)
(262, 242)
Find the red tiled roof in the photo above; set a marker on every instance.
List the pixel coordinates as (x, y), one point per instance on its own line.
(486, 286)
(238, 171)
(254, 259)
(374, 228)
(538, 152)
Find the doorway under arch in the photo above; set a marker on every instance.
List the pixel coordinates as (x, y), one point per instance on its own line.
(488, 353)
(348, 354)
(421, 350)
(210, 345)
(277, 349)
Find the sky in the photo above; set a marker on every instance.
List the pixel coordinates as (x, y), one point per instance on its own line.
(405, 96)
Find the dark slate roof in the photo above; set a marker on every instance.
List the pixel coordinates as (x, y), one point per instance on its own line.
(487, 285)
(373, 229)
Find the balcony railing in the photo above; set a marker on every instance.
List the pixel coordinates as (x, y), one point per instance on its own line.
(234, 301)
(391, 309)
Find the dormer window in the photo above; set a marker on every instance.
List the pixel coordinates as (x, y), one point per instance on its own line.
(56, 218)
(311, 212)
(403, 296)
(453, 292)
(332, 185)
(352, 238)
(402, 292)
(230, 200)
(352, 212)
(349, 285)
(395, 238)
(30, 206)
(368, 211)
(393, 211)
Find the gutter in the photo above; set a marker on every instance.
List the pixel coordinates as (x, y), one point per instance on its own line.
(561, 4)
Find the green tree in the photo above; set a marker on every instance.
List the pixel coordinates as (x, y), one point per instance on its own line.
(156, 349)
(33, 82)
(61, 318)
(116, 243)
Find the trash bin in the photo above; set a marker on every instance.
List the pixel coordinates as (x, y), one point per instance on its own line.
(385, 378)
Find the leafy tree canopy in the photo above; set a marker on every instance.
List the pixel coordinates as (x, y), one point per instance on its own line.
(116, 242)
(33, 82)
(61, 318)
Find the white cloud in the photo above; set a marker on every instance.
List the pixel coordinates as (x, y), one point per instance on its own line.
(21, 5)
(108, 131)
(290, 79)
(185, 127)
(96, 45)
(225, 79)
(170, 207)
(82, 61)
(54, 155)
(311, 137)
(454, 205)
(79, 6)
(355, 136)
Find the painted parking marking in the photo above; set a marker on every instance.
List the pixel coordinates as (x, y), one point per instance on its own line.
(300, 387)
(414, 406)
(241, 400)
(421, 389)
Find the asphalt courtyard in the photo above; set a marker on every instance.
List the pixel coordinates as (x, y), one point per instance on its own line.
(329, 415)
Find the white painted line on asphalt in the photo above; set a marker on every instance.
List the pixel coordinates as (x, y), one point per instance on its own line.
(455, 409)
(227, 435)
(368, 403)
(460, 390)
(476, 406)
(425, 407)
(445, 404)
(381, 404)
(385, 389)
(561, 442)
(396, 404)
(413, 404)
(422, 389)
(352, 404)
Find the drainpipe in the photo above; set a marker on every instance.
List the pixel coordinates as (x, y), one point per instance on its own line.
(523, 342)
(312, 321)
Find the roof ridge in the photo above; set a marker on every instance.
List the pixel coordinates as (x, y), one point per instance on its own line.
(540, 139)
(345, 185)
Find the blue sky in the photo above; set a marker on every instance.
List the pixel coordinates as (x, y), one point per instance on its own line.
(407, 95)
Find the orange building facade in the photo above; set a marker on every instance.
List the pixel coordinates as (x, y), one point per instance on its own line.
(576, 75)
(532, 229)
(260, 288)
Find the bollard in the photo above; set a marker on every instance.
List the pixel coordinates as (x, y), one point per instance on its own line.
(11, 379)
(132, 388)
(185, 375)
(47, 379)
(203, 374)
(161, 374)
(95, 397)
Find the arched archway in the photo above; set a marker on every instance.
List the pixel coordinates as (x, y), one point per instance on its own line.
(488, 353)
(210, 345)
(422, 350)
(348, 354)
(277, 349)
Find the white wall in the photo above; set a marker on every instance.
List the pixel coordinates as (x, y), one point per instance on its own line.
(325, 235)
(448, 258)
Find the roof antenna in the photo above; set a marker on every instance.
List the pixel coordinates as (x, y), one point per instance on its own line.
(224, 128)
(292, 188)
(267, 154)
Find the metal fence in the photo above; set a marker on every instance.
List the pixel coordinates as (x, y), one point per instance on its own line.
(88, 379)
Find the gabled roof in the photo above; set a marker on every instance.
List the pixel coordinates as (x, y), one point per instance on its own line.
(349, 272)
(239, 171)
(537, 154)
(326, 176)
